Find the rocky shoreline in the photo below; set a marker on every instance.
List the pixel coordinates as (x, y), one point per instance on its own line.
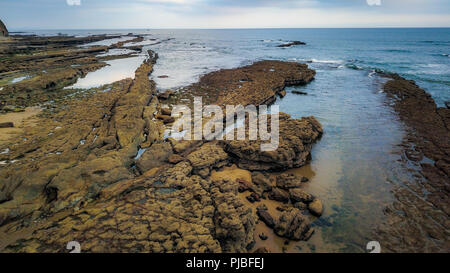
(418, 220)
(43, 66)
(98, 170)
(96, 166)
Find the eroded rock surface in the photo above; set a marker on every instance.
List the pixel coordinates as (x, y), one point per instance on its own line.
(296, 137)
(46, 65)
(418, 220)
(75, 153)
(255, 84)
(86, 178)
(293, 225)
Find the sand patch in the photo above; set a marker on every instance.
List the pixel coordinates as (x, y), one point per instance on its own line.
(232, 173)
(20, 120)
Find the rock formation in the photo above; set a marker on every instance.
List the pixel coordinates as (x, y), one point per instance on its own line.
(3, 30)
(292, 44)
(418, 218)
(99, 171)
(295, 142)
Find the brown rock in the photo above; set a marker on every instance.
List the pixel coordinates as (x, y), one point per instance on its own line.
(299, 92)
(265, 216)
(262, 181)
(155, 156)
(166, 119)
(255, 84)
(283, 207)
(3, 197)
(165, 95)
(207, 156)
(6, 125)
(98, 136)
(262, 250)
(244, 185)
(316, 207)
(295, 144)
(182, 145)
(253, 197)
(175, 159)
(204, 173)
(279, 195)
(300, 206)
(166, 111)
(298, 195)
(288, 181)
(292, 44)
(293, 225)
(235, 222)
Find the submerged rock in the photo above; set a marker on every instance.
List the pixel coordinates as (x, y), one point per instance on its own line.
(293, 225)
(316, 207)
(299, 92)
(292, 44)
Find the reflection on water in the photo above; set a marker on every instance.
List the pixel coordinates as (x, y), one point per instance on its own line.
(115, 71)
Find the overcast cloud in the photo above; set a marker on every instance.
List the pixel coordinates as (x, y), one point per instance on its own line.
(79, 14)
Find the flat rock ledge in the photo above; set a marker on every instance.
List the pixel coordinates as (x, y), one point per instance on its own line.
(418, 220)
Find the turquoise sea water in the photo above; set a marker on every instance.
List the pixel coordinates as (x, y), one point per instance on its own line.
(355, 165)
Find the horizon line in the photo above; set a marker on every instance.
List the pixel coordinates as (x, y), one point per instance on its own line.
(12, 30)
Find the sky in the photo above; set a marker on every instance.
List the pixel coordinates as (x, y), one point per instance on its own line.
(123, 14)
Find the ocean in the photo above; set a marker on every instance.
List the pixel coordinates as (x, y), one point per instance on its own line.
(419, 54)
(356, 164)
